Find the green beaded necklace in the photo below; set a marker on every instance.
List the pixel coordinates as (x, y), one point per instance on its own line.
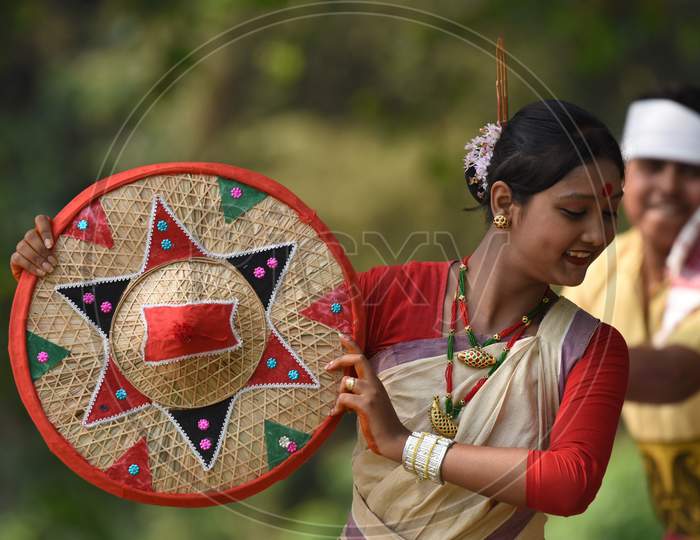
(475, 357)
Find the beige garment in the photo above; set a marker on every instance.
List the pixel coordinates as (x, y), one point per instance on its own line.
(515, 408)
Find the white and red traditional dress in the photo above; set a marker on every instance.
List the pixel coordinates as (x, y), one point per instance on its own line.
(559, 394)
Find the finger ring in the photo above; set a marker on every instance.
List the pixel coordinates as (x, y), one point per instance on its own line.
(350, 383)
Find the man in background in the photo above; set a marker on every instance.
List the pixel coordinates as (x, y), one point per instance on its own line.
(628, 288)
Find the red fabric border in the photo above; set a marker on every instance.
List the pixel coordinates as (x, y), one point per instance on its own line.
(20, 365)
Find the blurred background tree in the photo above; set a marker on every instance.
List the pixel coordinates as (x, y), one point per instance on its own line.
(361, 108)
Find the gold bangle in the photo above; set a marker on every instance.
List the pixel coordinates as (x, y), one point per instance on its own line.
(427, 459)
(415, 452)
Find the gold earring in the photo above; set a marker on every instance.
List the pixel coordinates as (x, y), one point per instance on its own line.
(501, 221)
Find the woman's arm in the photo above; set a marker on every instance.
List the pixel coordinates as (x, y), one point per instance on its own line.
(561, 480)
(496, 472)
(565, 478)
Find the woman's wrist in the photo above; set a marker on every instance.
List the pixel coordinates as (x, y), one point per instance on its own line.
(394, 449)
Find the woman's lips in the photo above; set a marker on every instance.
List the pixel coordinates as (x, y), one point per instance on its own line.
(583, 258)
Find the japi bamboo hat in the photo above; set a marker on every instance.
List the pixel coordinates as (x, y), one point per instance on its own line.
(175, 356)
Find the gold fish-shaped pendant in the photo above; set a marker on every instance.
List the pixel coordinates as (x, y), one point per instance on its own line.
(441, 422)
(476, 357)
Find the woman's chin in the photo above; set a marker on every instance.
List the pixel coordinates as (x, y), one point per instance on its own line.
(569, 277)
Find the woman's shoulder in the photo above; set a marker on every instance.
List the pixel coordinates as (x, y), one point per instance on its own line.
(411, 278)
(582, 321)
(410, 267)
(403, 302)
(602, 355)
(606, 347)
(610, 338)
(584, 339)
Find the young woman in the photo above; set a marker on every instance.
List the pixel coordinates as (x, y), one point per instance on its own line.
(662, 149)
(475, 375)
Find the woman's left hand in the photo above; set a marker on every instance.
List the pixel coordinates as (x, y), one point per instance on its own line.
(381, 427)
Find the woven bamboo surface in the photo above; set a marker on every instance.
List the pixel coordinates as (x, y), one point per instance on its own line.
(65, 390)
(192, 382)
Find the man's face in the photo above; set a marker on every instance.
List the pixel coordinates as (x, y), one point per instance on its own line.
(660, 197)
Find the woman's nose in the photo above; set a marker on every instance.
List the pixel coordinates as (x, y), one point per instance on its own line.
(594, 234)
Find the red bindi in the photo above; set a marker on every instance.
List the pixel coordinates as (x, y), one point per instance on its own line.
(607, 189)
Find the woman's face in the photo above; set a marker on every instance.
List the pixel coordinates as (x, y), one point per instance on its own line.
(660, 197)
(559, 232)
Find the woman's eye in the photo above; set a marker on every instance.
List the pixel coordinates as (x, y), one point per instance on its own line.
(610, 216)
(572, 214)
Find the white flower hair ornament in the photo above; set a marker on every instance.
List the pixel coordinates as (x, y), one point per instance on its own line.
(479, 152)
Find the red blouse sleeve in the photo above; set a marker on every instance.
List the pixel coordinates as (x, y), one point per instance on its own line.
(402, 302)
(564, 479)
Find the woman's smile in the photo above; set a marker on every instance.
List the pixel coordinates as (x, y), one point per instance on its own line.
(579, 257)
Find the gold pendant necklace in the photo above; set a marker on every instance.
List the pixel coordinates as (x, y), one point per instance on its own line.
(444, 422)
(476, 357)
(441, 422)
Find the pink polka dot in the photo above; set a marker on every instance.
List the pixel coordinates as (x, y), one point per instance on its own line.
(292, 447)
(205, 444)
(88, 298)
(236, 192)
(259, 272)
(272, 262)
(42, 357)
(203, 424)
(106, 307)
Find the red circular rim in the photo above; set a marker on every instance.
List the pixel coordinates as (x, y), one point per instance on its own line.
(20, 364)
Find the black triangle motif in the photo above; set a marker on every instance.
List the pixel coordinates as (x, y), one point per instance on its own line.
(257, 270)
(97, 301)
(204, 427)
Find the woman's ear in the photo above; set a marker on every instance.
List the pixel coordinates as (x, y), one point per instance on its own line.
(502, 199)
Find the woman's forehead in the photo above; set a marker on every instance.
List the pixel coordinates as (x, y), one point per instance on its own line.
(591, 180)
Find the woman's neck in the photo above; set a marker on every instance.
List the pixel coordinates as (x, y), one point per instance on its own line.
(500, 292)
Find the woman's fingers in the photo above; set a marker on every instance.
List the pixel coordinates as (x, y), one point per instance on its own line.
(357, 404)
(33, 247)
(349, 345)
(43, 227)
(357, 386)
(20, 261)
(33, 252)
(357, 361)
(348, 402)
(353, 357)
(347, 360)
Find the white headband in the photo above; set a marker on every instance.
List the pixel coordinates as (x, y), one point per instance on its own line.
(662, 129)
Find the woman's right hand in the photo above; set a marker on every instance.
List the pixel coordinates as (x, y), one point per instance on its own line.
(33, 253)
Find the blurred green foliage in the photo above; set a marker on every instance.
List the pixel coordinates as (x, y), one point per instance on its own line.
(361, 108)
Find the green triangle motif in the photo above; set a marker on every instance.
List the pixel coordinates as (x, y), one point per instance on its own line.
(43, 355)
(276, 453)
(237, 198)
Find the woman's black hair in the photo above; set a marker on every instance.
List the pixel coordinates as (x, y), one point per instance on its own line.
(687, 95)
(541, 144)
